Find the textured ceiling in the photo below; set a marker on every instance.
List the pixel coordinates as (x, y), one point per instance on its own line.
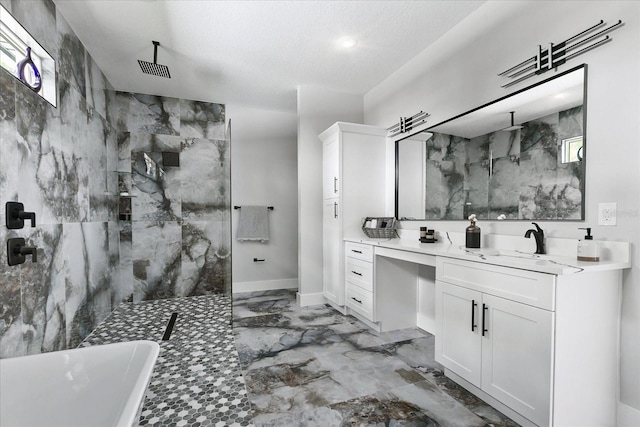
(257, 52)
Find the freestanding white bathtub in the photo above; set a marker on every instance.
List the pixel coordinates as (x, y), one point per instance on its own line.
(92, 386)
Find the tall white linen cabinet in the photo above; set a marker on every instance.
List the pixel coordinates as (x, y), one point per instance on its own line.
(353, 188)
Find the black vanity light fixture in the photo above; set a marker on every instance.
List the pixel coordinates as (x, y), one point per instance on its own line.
(557, 54)
(407, 124)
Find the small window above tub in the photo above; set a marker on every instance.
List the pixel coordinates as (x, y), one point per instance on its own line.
(24, 58)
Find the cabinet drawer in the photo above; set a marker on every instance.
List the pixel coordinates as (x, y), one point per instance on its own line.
(359, 251)
(527, 287)
(359, 273)
(360, 301)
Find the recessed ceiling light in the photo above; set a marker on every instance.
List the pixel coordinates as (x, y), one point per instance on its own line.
(347, 42)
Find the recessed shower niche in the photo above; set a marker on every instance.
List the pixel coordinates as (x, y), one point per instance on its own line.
(124, 195)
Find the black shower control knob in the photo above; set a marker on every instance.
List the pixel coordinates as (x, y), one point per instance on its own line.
(17, 250)
(15, 216)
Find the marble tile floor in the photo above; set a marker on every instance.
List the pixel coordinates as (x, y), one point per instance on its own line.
(283, 365)
(312, 366)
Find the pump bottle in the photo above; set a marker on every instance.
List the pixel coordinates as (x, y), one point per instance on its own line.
(472, 240)
(588, 249)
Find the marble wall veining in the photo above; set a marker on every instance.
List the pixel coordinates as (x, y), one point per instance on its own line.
(180, 236)
(518, 174)
(55, 161)
(61, 162)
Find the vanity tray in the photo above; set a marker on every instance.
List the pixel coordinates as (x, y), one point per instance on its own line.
(385, 227)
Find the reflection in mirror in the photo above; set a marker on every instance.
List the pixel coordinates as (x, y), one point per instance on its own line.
(520, 157)
(411, 175)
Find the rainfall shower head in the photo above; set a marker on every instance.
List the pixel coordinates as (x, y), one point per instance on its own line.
(513, 125)
(154, 68)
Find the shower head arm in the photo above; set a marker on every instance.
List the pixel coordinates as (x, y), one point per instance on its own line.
(155, 54)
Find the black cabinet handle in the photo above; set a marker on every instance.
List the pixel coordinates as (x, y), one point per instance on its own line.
(335, 184)
(335, 209)
(484, 310)
(356, 300)
(356, 273)
(473, 315)
(358, 252)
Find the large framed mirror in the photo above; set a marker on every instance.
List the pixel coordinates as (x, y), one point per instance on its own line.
(520, 157)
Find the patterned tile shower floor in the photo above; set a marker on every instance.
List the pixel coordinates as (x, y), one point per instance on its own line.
(306, 367)
(197, 379)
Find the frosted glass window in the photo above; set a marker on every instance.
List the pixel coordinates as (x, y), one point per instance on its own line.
(571, 149)
(14, 41)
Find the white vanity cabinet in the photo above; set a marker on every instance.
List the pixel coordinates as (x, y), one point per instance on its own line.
(521, 337)
(358, 274)
(500, 346)
(353, 188)
(331, 254)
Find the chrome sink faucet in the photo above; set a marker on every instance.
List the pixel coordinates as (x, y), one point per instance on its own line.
(538, 234)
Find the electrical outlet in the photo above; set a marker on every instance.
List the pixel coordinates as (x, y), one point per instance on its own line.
(607, 213)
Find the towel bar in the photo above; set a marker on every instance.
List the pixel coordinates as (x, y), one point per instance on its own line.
(268, 207)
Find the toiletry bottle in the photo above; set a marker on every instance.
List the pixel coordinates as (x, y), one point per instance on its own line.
(588, 249)
(431, 236)
(423, 234)
(473, 234)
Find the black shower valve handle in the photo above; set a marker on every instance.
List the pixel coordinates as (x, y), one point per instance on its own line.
(17, 251)
(28, 215)
(15, 216)
(30, 250)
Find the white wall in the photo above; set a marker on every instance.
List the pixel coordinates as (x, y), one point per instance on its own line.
(318, 108)
(459, 72)
(264, 172)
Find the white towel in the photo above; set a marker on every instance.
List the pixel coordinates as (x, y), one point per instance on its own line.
(253, 223)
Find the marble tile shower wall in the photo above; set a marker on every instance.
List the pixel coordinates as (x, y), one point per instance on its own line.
(178, 242)
(55, 161)
(59, 162)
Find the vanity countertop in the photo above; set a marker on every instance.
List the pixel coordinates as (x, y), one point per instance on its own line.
(550, 264)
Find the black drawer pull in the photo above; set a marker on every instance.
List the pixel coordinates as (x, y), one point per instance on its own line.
(356, 300)
(358, 252)
(356, 273)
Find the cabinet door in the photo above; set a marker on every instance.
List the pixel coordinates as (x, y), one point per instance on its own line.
(333, 273)
(458, 334)
(517, 352)
(331, 167)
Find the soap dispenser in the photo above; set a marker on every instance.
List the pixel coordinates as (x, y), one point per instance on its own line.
(588, 249)
(473, 234)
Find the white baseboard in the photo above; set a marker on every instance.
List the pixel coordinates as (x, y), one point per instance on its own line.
(426, 323)
(264, 285)
(628, 416)
(305, 300)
